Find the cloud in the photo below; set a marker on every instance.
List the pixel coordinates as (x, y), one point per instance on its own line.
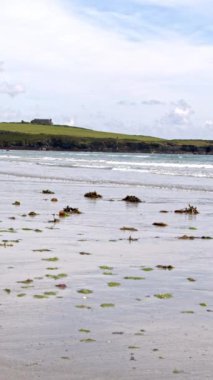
(66, 58)
(11, 89)
(10, 114)
(208, 123)
(126, 103)
(148, 102)
(152, 102)
(180, 114)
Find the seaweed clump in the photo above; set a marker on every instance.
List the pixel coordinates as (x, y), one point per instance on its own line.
(71, 210)
(93, 195)
(191, 210)
(159, 224)
(132, 199)
(47, 192)
(67, 211)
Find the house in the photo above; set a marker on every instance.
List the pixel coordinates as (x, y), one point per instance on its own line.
(42, 121)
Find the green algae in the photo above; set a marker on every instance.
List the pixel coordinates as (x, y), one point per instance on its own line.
(147, 269)
(134, 278)
(8, 291)
(106, 305)
(105, 267)
(190, 279)
(28, 281)
(40, 296)
(187, 312)
(42, 250)
(163, 296)
(50, 293)
(51, 259)
(85, 291)
(113, 284)
(56, 277)
(83, 307)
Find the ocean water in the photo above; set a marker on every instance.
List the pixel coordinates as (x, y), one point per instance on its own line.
(189, 172)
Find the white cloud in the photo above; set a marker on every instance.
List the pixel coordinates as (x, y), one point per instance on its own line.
(11, 89)
(209, 123)
(65, 60)
(152, 102)
(180, 114)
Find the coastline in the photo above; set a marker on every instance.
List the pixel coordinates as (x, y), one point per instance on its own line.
(28, 136)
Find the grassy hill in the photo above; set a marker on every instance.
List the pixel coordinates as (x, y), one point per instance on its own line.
(62, 137)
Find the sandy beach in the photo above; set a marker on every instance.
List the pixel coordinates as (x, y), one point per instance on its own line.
(130, 303)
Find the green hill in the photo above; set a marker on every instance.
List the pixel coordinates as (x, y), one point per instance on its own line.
(62, 137)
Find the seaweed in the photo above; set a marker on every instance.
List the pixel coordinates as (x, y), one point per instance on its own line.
(71, 210)
(61, 286)
(8, 291)
(16, 203)
(86, 331)
(134, 278)
(159, 224)
(105, 267)
(163, 296)
(47, 191)
(191, 210)
(28, 281)
(85, 291)
(56, 277)
(131, 199)
(106, 305)
(128, 229)
(51, 259)
(113, 284)
(93, 195)
(165, 267)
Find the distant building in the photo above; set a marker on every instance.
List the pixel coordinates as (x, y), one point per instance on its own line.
(42, 121)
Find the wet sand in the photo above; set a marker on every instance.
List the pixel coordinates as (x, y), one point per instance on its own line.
(150, 323)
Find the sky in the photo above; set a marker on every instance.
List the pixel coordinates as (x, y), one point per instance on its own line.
(130, 66)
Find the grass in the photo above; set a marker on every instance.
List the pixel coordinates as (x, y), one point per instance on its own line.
(63, 130)
(32, 136)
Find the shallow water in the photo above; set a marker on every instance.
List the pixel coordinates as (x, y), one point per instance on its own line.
(40, 338)
(171, 171)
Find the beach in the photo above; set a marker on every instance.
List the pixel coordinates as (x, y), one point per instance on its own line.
(104, 293)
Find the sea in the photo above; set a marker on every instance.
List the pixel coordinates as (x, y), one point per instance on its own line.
(187, 172)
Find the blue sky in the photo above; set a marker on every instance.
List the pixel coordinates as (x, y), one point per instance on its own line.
(133, 66)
